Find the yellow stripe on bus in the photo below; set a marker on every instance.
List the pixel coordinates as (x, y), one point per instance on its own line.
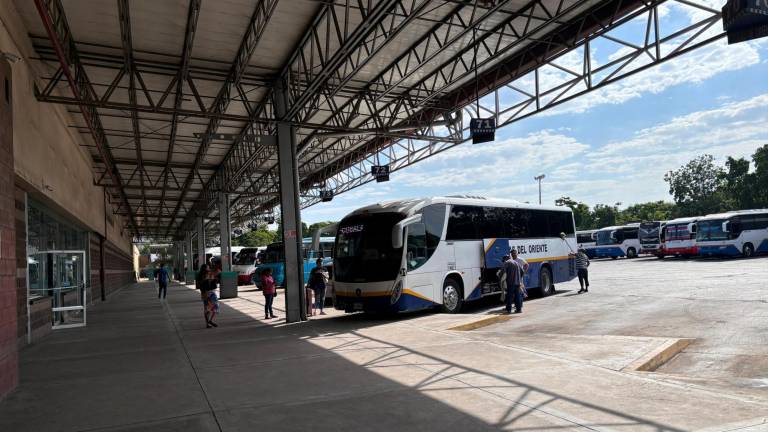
(490, 244)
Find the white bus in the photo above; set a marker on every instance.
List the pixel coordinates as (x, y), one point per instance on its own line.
(649, 235)
(678, 237)
(743, 232)
(416, 254)
(617, 241)
(245, 263)
(586, 240)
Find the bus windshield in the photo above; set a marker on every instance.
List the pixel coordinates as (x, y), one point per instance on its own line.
(604, 238)
(711, 230)
(364, 251)
(246, 257)
(274, 253)
(649, 232)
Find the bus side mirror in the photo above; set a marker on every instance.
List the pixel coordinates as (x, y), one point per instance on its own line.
(399, 229)
(725, 226)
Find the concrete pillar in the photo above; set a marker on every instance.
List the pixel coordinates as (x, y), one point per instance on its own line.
(200, 242)
(224, 228)
(295, 296)
(189, 271)
(9, 358)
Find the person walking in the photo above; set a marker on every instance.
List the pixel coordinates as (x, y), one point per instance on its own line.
(207, 284)
(269, 291)
(514, 291)
(582, 262)
(317, 281)
(162, 282)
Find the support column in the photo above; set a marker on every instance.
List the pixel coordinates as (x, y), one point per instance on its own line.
(9, 358)
(189, 273)
(200, 242)
(295, 297)
(224, 228)
(228, 284)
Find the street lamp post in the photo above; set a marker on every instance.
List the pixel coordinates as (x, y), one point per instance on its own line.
(539, 178)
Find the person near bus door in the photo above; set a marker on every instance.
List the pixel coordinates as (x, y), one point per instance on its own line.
(514, 276)
(582, 262)
(524, 267)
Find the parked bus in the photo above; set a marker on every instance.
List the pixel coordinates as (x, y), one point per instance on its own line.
(586, 240)
(743, 232)
(617, 241)
(678, 238)
(648, 233)
(274, 258)
(416, 254)
(245, 263)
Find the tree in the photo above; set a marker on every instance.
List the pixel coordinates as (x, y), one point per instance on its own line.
(604, 215)
(759, 182)
(695, 186)
(260, 236)
(316, 226)
(736, 190)
(582, 216)
(650, 211)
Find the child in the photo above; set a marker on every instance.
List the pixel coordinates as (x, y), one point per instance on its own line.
(269, 291)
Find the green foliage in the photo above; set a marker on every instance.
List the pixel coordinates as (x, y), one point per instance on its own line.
(758, 183)
(650, 211)
(604, 215)
(316, 226)
(261, 236)
(696, 187)
(581, 213)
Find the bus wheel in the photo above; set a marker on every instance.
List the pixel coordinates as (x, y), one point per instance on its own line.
(545, 282)
(452, 297)
(614, 257)
(748, 250)
(631, 253)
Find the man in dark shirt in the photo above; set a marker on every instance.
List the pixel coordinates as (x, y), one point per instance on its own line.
(514, 278)
(162, 282)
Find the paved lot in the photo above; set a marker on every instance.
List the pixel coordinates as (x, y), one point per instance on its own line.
(565, 364)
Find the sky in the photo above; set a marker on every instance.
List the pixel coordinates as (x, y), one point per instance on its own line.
(611, 145)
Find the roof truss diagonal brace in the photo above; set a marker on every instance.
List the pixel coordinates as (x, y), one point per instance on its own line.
(253, 34)
(57, 28)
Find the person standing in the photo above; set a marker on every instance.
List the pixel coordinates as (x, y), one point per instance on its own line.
(207, 284)
(269, 291)
(582, 262)
(502, 275)
(524, 267)
(514, 278)
(317, 281)
(162, 282)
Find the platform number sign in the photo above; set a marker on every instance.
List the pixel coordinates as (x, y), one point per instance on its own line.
(482, 130)
(380, 173)
(326, 195)
(745, 20)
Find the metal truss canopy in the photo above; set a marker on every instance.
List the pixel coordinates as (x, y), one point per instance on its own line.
(381, 82)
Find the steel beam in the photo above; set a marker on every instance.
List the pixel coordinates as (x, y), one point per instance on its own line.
(56, 26)
(253, 34)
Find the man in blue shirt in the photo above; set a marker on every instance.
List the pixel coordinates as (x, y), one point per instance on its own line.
(162, 281)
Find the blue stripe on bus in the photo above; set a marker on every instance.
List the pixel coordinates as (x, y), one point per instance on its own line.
(608, 251)
(763, 248)
(720, 250)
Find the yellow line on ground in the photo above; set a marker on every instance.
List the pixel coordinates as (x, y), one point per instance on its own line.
(485, 322)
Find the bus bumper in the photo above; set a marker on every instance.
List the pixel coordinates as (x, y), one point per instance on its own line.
(381, 303)
(681, 251)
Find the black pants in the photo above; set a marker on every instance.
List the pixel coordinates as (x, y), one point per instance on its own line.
(514, 296)
(162, 289)
(268, 298)
(583, 278)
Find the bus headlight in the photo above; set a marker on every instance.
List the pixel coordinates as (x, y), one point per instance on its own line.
(396, 292)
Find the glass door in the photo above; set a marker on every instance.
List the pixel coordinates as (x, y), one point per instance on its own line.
(61, 275)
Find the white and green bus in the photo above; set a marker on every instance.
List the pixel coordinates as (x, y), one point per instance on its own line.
(416, 254)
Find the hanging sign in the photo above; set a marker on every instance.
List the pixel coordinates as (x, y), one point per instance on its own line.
(745, 20)
(326, 195)
(380, 173)
(482, 130)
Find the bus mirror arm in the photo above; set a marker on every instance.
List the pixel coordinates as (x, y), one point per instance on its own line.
(725, 226)
(399, 228)
(319, 233)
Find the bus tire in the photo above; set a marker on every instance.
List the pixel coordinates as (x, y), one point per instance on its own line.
(614, 257)
(748, 250)
(453, 296)
(631, 253)
(546, 285)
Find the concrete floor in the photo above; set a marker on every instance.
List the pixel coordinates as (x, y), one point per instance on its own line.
(565, 364)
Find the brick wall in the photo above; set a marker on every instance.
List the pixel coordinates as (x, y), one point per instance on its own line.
(118, 268)
(9, 368)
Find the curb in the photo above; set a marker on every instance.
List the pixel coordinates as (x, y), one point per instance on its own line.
(657, 357)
